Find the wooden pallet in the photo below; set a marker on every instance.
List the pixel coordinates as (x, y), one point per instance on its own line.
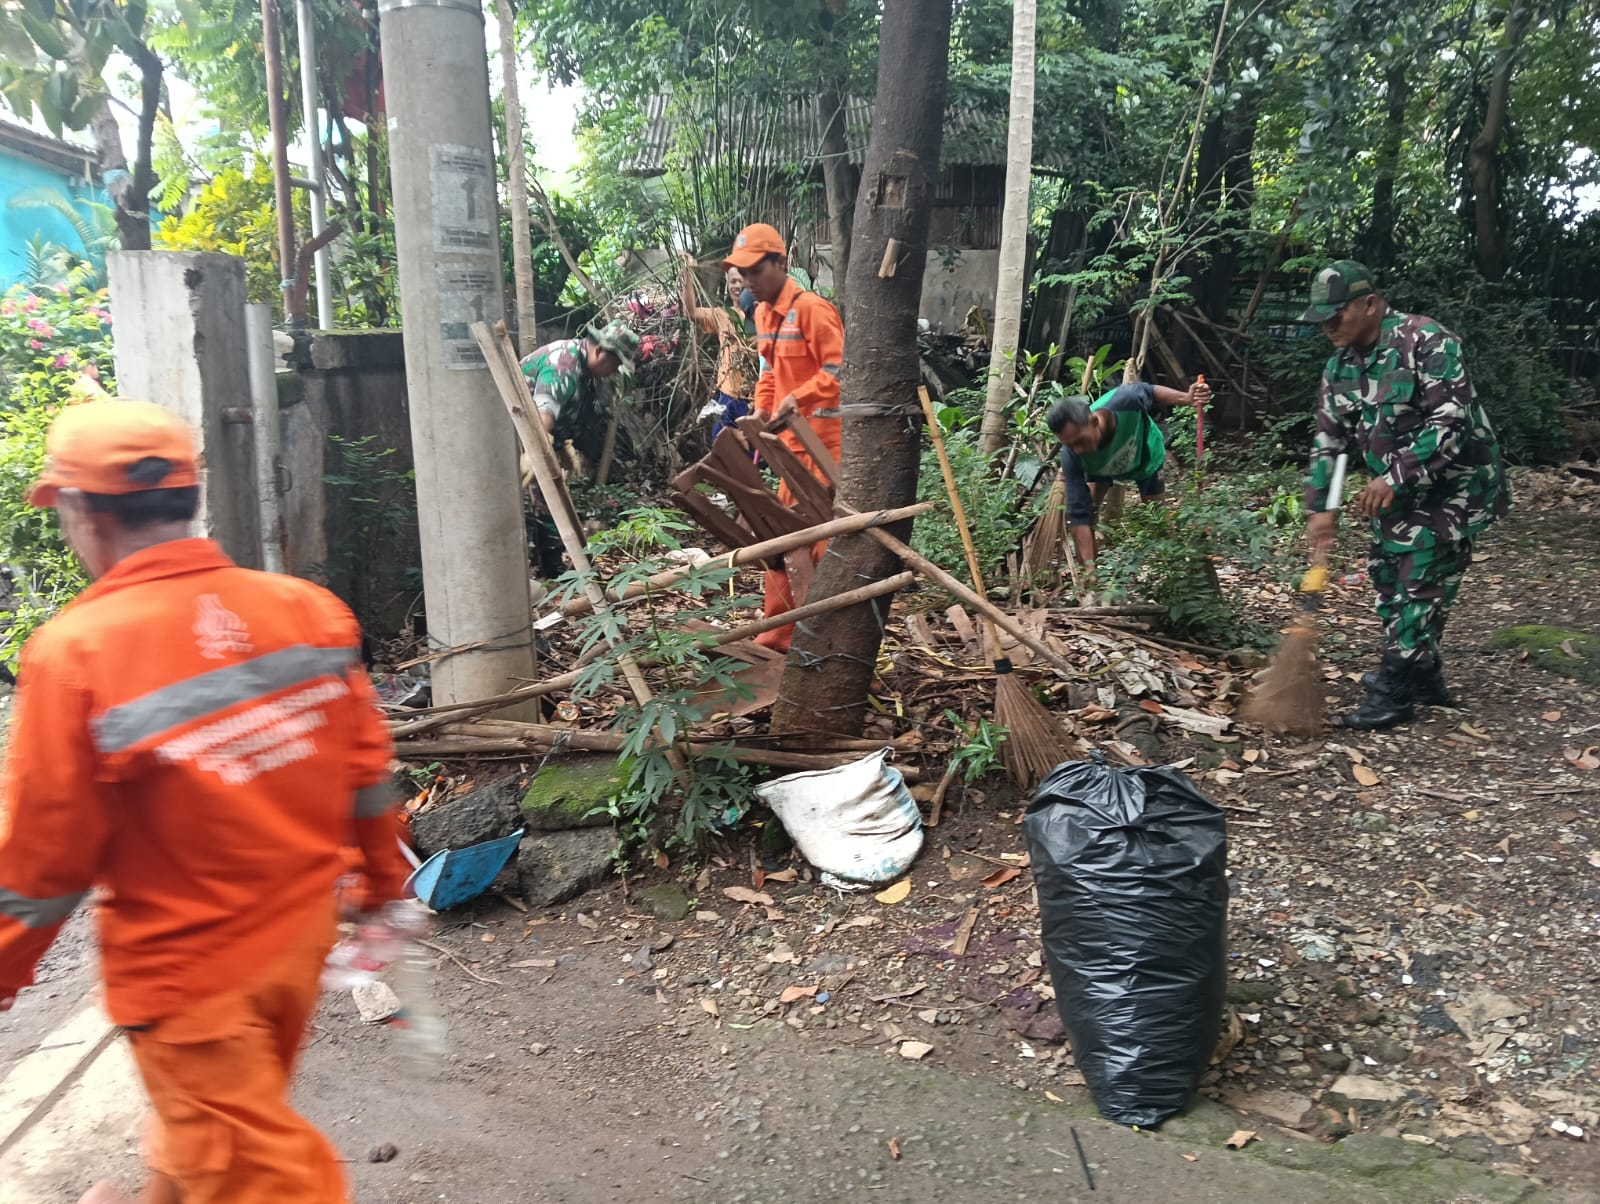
(756, 513)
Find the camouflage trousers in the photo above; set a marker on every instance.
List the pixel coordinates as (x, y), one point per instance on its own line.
(1415, 589)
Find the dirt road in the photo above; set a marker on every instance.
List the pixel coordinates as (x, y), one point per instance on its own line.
(578, 1085)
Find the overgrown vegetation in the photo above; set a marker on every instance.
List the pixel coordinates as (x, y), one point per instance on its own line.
(54, 343)
(687, 674)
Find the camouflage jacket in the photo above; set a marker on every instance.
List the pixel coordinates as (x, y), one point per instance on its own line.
(1407, 407)
(558, 377)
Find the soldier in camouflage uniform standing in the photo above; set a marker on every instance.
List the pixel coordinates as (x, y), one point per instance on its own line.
(1395, 391)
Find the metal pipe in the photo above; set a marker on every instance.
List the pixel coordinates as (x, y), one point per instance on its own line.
(263, 374)
(319, 183)
(271, 47)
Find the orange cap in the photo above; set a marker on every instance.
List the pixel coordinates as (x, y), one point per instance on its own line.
(753, 245)
(94, 446)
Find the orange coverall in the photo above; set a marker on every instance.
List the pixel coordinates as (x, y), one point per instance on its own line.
(801, 341)
(200, 743)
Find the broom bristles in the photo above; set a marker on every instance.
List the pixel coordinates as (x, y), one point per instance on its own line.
(1035, 741)
(1288, 696)
(1042, 549)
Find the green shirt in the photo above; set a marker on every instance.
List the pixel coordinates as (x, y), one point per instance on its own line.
(1137, 449)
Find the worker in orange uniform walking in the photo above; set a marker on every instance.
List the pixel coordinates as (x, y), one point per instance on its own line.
(200, 744)
(801, 342)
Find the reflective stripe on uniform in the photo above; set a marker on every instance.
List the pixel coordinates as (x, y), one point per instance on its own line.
(832, 370)
(182, 702)
(38, 913)
(375, 800)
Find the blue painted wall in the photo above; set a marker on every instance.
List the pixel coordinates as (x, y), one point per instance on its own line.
(19, 174)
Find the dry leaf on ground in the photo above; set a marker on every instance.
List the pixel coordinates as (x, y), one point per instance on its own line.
(894, 894)
(1364, 775)
(743, 894)
(1001, 877)
(794, 994)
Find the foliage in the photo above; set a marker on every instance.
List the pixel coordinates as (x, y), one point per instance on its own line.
(978, 752)
(378, 504)
(49, 340)
(96, 229)
(234, 213)
(1168, 553)
(712, 791)
(998, 512)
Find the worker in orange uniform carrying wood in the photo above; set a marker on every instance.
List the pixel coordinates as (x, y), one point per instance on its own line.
(801, 342)
(200, 744)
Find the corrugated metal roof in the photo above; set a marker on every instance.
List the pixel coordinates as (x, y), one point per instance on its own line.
(66, 157)
(793, 134)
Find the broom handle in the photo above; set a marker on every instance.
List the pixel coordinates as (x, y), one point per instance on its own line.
(960, 512)
(1319, 556)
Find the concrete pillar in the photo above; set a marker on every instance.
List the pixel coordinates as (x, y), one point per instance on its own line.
(179, 341)
(447, 240)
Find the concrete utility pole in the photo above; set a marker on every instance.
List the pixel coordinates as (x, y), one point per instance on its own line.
(447, 238)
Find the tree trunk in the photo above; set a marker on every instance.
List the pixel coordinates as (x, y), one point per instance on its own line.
(840, 185)
(1378, 247)
(129, 188)
(1013, 228)
(833, 657)
(517, 179)
(1485, 153)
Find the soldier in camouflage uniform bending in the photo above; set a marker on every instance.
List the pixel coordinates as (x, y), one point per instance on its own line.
(1395, 392)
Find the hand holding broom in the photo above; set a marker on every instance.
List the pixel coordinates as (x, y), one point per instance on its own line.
(1288, 698)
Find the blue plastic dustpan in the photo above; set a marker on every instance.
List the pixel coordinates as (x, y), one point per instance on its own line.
(456, 876)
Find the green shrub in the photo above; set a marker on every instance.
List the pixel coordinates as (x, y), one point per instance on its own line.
(997, 512)
(712, 791)
(49, 340)
(1250, 518)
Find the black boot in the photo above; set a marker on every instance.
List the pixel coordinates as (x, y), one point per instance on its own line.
(1427, 683)
(1390, 698)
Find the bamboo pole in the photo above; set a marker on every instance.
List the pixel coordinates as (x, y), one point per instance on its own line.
(544, 739)
(502, 361)
(987, 608)
(419, 721)
(749, 554)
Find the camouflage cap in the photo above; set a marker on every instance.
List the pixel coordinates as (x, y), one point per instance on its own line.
(1334, 287)
(618, 338)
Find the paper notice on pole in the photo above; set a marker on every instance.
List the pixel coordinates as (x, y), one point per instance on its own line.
(463, 200)
(466, 295)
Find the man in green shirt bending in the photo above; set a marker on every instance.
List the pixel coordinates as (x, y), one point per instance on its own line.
(1111, 440)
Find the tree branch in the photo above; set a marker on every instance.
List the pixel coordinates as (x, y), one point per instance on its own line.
(553, 232)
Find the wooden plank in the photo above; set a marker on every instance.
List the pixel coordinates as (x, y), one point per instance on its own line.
(716, 521)
(812, 443)
(765, 514)
(962, 623)
(812, 497)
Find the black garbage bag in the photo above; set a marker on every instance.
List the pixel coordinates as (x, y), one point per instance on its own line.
(1133, 899)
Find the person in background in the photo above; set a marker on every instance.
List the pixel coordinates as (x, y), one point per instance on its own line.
(1395, 394)
(801, 342)
(564, 378)
(1114, 439)
(736, 360)
(200, 744)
